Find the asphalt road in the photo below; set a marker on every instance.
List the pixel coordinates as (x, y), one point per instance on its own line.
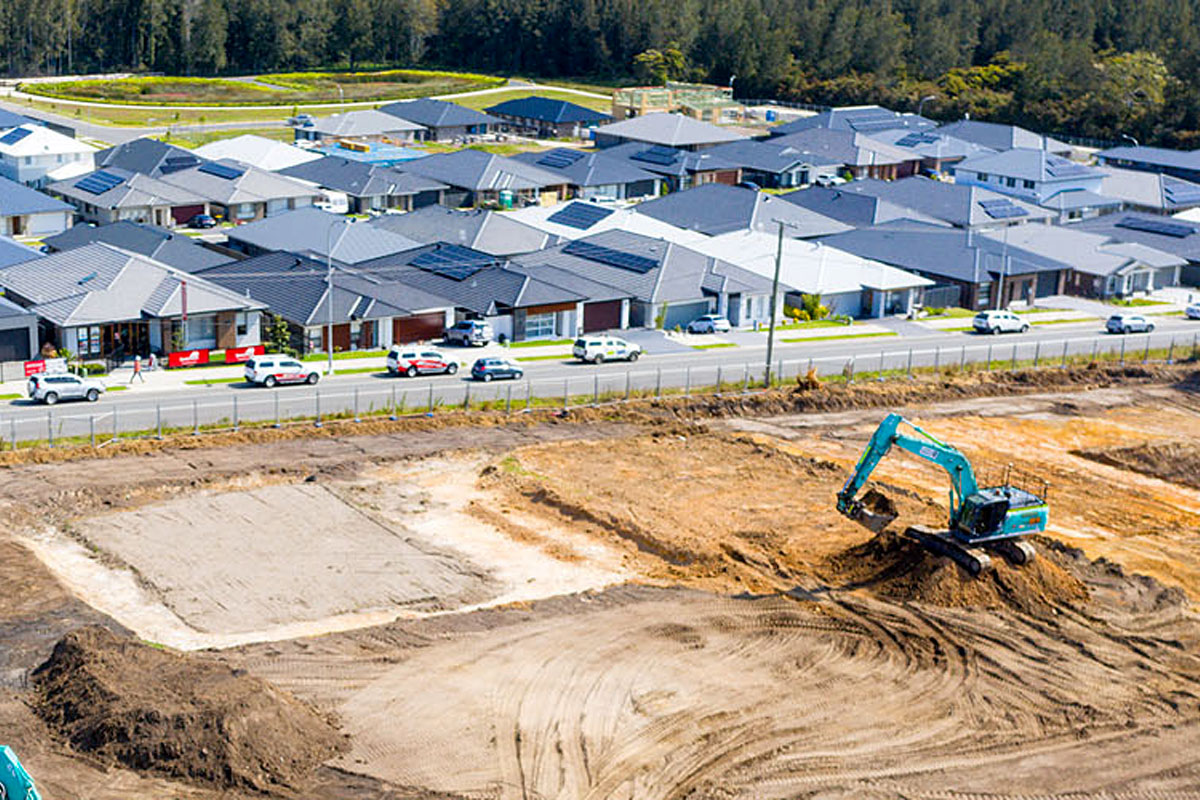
(229, 404)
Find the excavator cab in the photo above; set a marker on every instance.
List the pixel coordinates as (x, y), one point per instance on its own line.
(982, 516)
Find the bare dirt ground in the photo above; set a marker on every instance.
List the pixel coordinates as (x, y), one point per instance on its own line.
(673, 608)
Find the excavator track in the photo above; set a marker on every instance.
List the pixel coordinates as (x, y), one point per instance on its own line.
(1014, 551)
(975, 562)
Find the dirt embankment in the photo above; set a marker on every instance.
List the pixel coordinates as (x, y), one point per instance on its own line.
(1176, 462)
(134, 705)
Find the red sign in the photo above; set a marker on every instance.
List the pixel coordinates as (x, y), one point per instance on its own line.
(187, 358)
(239, 355)
(34, 367)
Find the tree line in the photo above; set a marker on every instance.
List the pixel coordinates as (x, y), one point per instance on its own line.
(1100, 68)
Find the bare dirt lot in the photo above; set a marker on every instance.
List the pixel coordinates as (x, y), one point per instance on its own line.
(667, 609)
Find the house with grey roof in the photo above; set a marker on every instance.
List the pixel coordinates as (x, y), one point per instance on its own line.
(1038, 176)
(175, 250)
(547, 118)
(852, 208)
(476, 178)
(665, 129)
(999, 137)
(1152, 192)
(318, 234)
(680, 169)
(18, 329)
(366, 125)
(857, 154)
(366, 313)
(368, 187)
(113, 194)
(860, 119)
(1182, 164)
(1175, 236)
(960, 205)
(937, 150)
(443, 121)
(596, 175)
(97, 299)
(771, 165)
(258, 151)
(28, 212)
(714, 209)
(241, 193)
(493, 232)
(147, 156)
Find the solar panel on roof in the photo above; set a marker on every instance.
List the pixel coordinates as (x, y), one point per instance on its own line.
(452, 261)
(611, 257)
(222, 170)
(1159, 226)
(914, 139)
(1000, 208)
(580, 215)
(99, 182)
(664, 156)
(1062, 168)
(176, 163)
(15, 135)
(1180, 193)
(558, 159)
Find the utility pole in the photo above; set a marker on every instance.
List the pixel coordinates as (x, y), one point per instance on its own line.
(774, 300)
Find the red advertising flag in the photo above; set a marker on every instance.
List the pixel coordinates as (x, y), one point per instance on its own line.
(34, 367)
(187, 358)
(239, 355)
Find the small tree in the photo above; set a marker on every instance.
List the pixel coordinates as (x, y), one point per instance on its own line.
(811, 305)
(660, 66)
(279, 336)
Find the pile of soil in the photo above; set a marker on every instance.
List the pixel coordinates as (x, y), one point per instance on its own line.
(895, 566)
(1177, 462)
(149, 709)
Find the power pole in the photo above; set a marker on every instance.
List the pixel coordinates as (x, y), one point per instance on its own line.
(774, 299)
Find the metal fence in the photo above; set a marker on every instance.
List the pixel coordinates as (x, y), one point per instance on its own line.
(396, 398)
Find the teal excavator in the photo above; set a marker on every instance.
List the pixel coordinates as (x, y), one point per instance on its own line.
(980, 519)
(15, 783)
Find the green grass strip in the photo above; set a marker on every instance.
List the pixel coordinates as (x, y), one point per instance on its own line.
(542, 343)
(847, 336)
(714, 345)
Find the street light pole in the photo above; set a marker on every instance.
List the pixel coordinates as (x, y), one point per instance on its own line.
(774, 299)
(925, 99)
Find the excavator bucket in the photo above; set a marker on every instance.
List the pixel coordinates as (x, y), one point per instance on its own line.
(875, 511)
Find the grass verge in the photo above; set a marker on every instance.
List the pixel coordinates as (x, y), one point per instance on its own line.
(846, 336)
(715, 345)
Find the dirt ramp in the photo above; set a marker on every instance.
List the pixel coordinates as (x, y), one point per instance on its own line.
(1175, 462)
(895, 566)
(150, 709)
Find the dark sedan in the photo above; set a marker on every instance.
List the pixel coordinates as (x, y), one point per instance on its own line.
(489, 369)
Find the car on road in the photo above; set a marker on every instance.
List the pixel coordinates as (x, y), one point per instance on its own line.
(598, 349)
(1128, 323)
(998, 321)
(49, 388)
(412, 361)
(468, 333)
(270, 371)
(709, 323)
(1192, 311)
(202, 221)
(300, 120)
(491, 368)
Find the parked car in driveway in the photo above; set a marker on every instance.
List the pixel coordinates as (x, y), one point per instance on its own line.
(270, 371)
(202, 221)
(489, 369)
(598, 349)
(412, 361)
(1128, 323)
(1192, 311)
(49, 388)
(998, 321)
(709, 323)
(469, 332)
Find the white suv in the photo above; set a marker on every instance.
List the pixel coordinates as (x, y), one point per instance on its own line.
(598, 349)
(269, 371)
(50, 388)
(999, 322)
(709, 323)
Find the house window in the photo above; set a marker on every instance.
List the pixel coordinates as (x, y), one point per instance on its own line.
(243, 323)
(539, 325)
(1012, 182)
(985, 295)
(1027, 184)
(983, 176)
(749, 306)
(202, 331)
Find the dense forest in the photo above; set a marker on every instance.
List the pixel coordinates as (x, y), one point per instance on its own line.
(1100, 68)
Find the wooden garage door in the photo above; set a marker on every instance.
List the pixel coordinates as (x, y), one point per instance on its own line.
(182, 214)
(419, 327)
(601, 316)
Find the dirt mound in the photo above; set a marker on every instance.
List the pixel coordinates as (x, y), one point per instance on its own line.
(150, 709)
(1176, 462)
(895, 566)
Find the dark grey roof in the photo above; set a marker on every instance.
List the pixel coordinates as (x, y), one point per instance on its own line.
(715, 208)
(437, 113)
(856, 210)
(134, 190)
(1129, 226)
(10, 120)
(478, 171)
(959, 204)
(864, 119)
(583, 168)
(1085, 251)
(764, 156)
(672, 130)
(668, 160)
(313, 231)
(12, 252)
(147, 156)
(829, 146)
(241, 183)
(1029, 164)
(487, 231)
(172, 249)
(1002, 137)
(1153, 157)
(359, 179)
(546, 109)
(16, 198)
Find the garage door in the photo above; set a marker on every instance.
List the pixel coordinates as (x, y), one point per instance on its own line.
(684, 313)
(182, 214)
(14, 345)
(601, 316)
(419, 327)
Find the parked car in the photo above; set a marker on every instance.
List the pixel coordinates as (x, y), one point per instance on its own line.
(202, 221)
(301, 120)
(829, 179)
(1128, 323)
(412, 362)
(598, 349)
(1193, 311)
(709, 323)
(49, 388)
(488, 369)
(269, 371)
(998, 322)
(469, 332)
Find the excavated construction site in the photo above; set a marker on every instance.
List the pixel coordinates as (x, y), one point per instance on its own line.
(656, 601)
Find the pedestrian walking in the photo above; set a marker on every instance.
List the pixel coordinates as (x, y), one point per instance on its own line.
(137, 370)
